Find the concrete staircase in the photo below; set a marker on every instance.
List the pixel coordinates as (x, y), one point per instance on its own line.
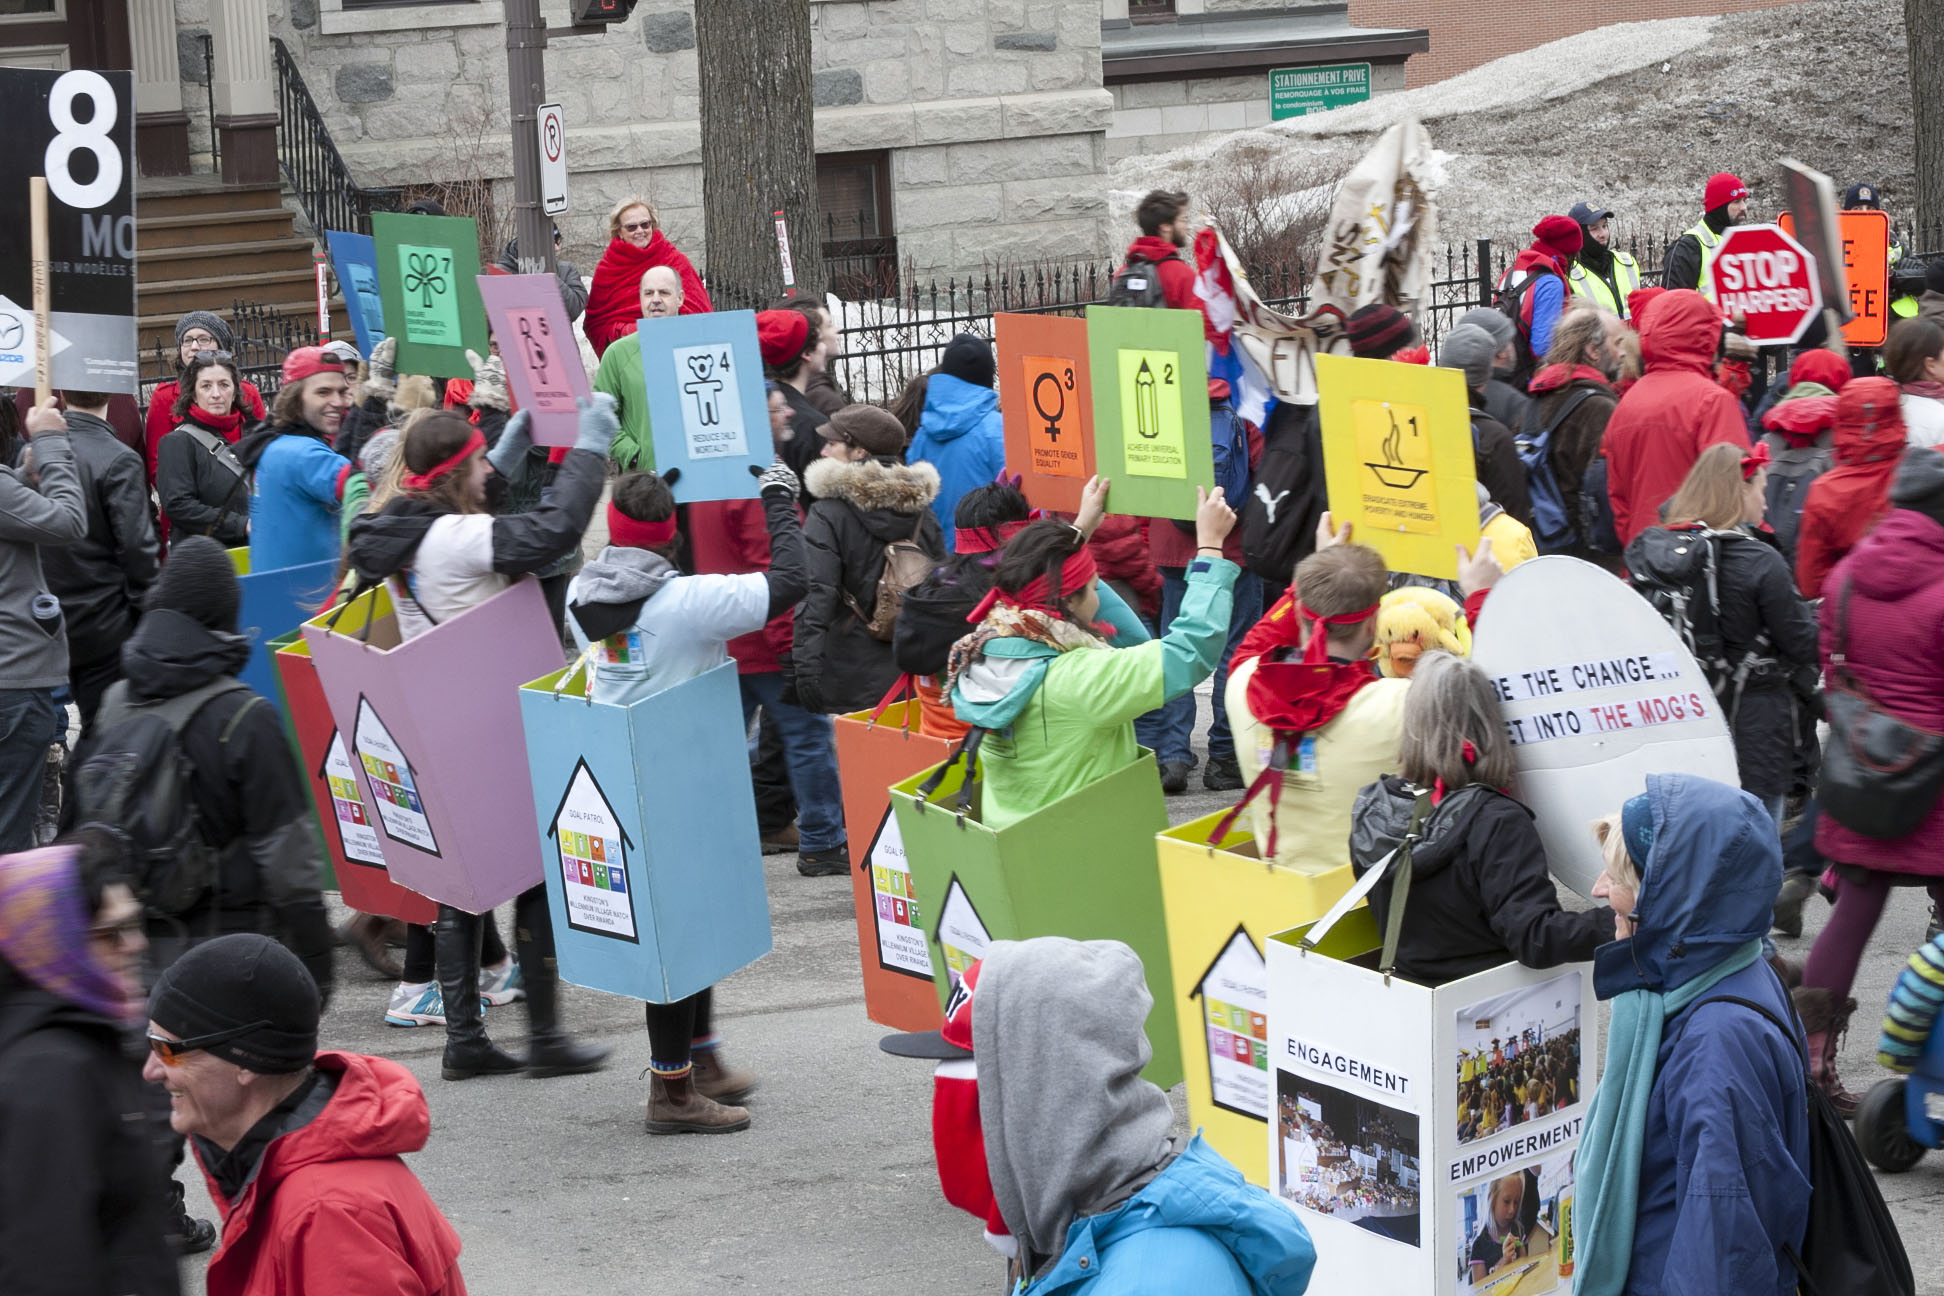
(201, 245)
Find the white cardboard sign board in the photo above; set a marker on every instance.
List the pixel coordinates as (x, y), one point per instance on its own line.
(1598, 692)
(1426, 1137)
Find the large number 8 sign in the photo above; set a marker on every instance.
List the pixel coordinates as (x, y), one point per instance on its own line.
(91, 136)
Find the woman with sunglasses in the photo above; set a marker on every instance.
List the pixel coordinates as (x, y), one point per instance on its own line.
(195, 332)
(83, 1194)
(201, 486)
(636, 245)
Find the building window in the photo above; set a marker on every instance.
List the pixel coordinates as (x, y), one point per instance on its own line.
(854, 198)
(1150, 10)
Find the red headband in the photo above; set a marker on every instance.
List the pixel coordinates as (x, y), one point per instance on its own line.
(1755, 460)
(978, 540)
(632, 533)
(1037, 593)
(1316, 647)
(430, 477)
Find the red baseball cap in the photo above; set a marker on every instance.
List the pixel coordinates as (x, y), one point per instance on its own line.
(307, 361)
(1723, 189)
(951, 1041)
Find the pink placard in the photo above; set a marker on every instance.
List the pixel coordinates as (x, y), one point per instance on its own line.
(542, 357)
(435, 740)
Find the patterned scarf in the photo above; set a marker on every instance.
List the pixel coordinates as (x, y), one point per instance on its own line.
(1009, 621)
(44, 931)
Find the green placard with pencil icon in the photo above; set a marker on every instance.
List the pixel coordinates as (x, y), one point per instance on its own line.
(1150, 406)
(428, 281)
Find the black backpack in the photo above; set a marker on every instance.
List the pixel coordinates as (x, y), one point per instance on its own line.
(1598, 531)
(1138, 284)
(1679, 573)
(1277, 518)
(1790, 473)
(1851, 1246)
(1553, 528)
(1509, 297)
(137, 778)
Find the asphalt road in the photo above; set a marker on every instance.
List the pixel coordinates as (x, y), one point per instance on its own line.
(554, 1187)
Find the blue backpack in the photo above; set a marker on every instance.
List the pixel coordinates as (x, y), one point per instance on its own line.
(1231, 447)
(1552, 520)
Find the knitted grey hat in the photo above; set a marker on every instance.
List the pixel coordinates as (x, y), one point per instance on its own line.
(1470, 348)
(210, 321)
(1495, 322)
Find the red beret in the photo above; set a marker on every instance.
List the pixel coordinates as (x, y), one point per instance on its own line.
(781, 334)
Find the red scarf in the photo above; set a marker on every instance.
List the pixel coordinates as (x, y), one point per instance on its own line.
(614, 298)
(228, 426)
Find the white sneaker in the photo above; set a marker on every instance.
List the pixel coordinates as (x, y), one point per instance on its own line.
(416, 1004)
(502, 984)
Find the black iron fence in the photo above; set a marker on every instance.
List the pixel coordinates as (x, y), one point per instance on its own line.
(900, 330)
(263, 336)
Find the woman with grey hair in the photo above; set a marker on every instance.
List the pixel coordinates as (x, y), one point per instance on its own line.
(1479, 892)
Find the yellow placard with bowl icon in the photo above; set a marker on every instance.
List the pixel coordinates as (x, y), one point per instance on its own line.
(1398, 458)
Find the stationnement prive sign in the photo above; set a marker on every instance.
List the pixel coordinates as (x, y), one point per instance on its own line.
(1299, 91)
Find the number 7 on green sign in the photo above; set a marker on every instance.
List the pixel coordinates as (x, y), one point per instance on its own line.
(431, 297)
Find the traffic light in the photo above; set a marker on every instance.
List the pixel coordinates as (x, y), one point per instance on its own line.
(602, 11)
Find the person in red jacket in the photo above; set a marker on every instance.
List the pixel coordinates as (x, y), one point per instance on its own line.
(301, 1149)
(1846, 502)
(635, 244)
(1676, 410)
(195, 331)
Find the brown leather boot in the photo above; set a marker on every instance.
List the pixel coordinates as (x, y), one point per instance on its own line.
(369, 935)
(1825, 1020)
(674, 1107)
(715, 1079)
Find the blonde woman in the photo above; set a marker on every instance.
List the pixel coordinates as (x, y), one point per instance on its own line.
(1712, 554)
(636, 245)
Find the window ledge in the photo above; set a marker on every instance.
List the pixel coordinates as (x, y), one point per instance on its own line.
(333, 19)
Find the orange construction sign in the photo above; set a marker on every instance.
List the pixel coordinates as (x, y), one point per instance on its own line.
(1046, 400)
(1866, 267)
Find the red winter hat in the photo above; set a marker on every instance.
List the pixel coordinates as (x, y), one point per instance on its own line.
(781, 335)
(1559, 235)
(1723, 189)
(305, 362)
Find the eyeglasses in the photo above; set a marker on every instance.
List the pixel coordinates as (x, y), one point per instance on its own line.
(213, 355)
(170, 1052)
(632, 226)
(197, 340)
(118, 933)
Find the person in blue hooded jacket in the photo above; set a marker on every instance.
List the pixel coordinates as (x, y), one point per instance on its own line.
(1693, 1175)
(960, 432)
(1046, 1132)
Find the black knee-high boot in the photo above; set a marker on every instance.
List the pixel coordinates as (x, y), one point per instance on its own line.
(549, 1051)
(468, 1052)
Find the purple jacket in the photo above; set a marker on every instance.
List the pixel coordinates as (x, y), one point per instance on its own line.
(1895, 642)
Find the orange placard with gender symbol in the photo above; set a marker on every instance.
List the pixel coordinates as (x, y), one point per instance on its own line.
(1047, 403)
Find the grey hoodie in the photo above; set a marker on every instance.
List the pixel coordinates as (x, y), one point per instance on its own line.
(1071, 1128)
(33, 652)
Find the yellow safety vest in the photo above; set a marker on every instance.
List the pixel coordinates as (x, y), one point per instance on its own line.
(1904, 307)
(1709, 241)
(1584, 283)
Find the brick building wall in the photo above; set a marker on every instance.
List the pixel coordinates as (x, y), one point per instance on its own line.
(1466, 33)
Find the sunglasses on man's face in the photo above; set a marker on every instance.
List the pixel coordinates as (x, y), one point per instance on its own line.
(632, 226)
(170, 1052)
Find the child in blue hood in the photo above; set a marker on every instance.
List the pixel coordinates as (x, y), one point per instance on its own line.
(1694, 1173)
(960, 432)
(1045, 1131)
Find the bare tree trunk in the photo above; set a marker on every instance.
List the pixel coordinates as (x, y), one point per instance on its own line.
(758, 151)
(1924, 30)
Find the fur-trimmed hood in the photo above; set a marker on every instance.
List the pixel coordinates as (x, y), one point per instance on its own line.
(874, 484)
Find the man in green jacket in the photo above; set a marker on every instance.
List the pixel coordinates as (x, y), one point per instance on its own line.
(620, 373)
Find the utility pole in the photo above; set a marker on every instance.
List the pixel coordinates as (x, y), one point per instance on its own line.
(526, 77)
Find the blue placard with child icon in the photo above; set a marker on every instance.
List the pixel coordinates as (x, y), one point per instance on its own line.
(354, 259)
(704, 376)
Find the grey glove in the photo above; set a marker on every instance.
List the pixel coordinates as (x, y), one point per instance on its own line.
(489, 382)
(598, 424)
(778, 478)
(509, 452)
(381, 373)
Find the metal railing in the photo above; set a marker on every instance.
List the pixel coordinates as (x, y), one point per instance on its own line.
(311, 163)
(893, 336)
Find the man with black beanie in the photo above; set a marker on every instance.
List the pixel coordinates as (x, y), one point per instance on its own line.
(300, 1148)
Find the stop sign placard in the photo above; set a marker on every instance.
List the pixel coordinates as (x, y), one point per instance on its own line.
(1760, 272)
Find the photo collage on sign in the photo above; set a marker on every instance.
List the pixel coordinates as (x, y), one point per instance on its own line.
(1518, 1057)
(1348, 1157)
(1515, 1229)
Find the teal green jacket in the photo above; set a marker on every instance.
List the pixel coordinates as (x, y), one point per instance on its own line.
(620, 377)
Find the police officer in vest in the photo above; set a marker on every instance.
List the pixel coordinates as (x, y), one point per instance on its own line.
(1724, 203)
(1601, 273)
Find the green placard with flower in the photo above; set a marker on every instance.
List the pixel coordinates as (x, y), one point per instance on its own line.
(428, 269)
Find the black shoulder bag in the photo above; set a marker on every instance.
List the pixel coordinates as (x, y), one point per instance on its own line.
(1880, 775)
